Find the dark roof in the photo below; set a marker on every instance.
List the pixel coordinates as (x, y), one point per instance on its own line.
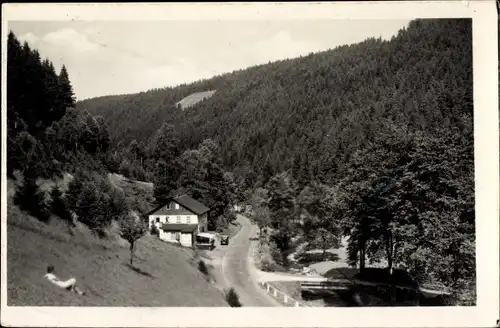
(188, 202)
(181, 227)
(192, 204)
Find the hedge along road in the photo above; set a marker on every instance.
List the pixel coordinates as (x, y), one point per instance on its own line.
(239, 271)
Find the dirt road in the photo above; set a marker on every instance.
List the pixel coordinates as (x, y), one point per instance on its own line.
(239, 272)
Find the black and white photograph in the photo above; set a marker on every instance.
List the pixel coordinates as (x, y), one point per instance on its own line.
(267, 163)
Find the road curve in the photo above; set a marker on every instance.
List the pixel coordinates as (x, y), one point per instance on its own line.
(239, 273)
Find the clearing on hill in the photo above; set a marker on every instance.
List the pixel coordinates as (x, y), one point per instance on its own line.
(194, 98)
(163, 274)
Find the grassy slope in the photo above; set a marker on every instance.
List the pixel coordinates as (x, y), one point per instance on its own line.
(166, 276)
(136, 191)
(195, 98)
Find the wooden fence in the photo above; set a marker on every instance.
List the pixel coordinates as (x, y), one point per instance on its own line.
(281, 297)
(330, 285)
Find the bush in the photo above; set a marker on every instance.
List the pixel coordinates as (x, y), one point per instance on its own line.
(111, 162)
(31, 199)
(463, 295)
(203, 267)
(125, 168)
(232, 298)
(95, 200)
(276, 253)
(266, 262)
(58, 205)
(154, 230)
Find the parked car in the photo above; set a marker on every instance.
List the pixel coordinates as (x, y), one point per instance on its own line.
(224, 239)
(205, 240)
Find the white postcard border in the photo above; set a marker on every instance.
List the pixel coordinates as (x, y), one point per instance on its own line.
(485, 63)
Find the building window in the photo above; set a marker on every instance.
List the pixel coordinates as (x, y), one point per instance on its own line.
(168, 206)
(188, 219)
(178, 219)
(158, 219)
(176, 206)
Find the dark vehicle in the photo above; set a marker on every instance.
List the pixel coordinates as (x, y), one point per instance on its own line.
(224, 239)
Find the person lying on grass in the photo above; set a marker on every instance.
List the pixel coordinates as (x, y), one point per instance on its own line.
(69, 284)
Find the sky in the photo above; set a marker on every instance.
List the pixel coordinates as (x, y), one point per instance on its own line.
(120, 57)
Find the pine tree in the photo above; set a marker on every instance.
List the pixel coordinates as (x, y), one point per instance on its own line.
(14, 83)
(323, 212)
(164, 182)
(58, 205)
(166, 150)
(33, 105)
(54, 111)
(103, 134)
(66, 95)
(30, 198)
(217, 192)
(282, 208)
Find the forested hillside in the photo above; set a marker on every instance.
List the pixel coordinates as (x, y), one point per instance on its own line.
(311, 113)
(46, 136)
(372, 140)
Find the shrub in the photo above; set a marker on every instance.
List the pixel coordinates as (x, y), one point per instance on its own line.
(31, 199)
(58, 205)
(276, 253)
(154, 230)
(264, 256)
(463, 295)
(95, 200)
(125, 168)
(232, 298)
(203, 267)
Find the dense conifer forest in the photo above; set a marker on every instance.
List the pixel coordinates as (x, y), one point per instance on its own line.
(372, 140)
(310, 114)
(45, 133)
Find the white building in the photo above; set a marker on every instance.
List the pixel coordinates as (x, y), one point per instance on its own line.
(179, 220)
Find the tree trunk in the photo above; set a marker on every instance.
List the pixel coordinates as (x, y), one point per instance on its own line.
(390, 260)
(131, 254)
(391, 251)
(362, 255)
(324, 246)
(394, 249)
(389, 264)
(361, 259)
